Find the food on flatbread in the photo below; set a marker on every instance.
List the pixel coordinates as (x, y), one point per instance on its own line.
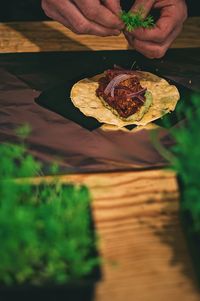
(123, 97)
(120, 90)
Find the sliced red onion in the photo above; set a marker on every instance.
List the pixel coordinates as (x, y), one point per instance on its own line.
(140, 98)
(112, 93)
(137, 93)
(115, 81)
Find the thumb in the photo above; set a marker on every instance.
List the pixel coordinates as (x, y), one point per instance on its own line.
(143, 6)
(113, 5)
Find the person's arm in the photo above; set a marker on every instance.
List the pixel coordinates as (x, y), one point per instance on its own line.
(153, 43)
(86, 16)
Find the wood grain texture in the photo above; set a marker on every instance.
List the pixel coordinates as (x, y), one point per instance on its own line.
(136, 213)
(144, 251)
(52, 36)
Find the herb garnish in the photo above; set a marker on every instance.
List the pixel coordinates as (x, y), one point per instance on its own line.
(136, 20)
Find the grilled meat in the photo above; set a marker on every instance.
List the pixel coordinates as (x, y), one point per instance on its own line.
(127, 96)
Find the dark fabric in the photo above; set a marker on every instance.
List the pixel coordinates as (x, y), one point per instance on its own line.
(77, 148)
(30, 10)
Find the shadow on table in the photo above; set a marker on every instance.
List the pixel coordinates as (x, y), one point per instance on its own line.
(171, 233)
(73, 293)
(43, 35)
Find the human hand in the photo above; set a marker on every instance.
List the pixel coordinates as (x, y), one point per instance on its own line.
(85, 16)
(154, 42)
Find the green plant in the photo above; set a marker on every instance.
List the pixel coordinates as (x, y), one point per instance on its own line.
(45, 230)
(184, 158)
(135, 20)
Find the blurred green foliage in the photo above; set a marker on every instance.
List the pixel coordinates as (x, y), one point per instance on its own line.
(184, 158)
(45, 230)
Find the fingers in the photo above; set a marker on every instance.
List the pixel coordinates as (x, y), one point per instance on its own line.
(153, 50)
(163, 28)
(98, 13)
(70, 16)
(159, 33)
(154, 42)
(113, 5)
(144, 6)
(179, 5)
(171, 16)
(54, 14)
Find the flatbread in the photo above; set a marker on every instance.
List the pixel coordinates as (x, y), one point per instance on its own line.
(164, 100)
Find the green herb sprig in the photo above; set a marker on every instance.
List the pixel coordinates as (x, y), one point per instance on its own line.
(135, 20)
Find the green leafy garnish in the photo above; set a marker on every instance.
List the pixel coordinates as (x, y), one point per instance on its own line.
(136, 20)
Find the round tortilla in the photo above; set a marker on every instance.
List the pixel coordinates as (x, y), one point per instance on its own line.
(164, 100)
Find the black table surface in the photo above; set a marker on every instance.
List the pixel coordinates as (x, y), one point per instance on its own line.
(26, 76)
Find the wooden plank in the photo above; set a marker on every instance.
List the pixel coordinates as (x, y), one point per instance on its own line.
(52, 36)
(143, 247)
(136, 213)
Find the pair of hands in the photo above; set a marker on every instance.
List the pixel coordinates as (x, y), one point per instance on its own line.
(101, 18)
